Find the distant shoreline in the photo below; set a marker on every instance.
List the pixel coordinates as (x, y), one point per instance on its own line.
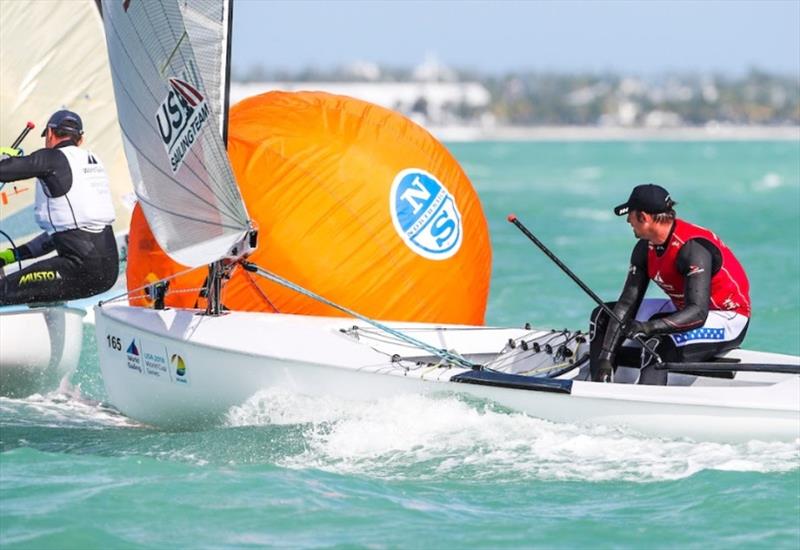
(595, 133)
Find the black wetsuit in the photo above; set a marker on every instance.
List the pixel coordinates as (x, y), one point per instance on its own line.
(704, 260)
(87, 262)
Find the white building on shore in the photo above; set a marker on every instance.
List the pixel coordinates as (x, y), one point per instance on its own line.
(432, 97)
(428, 103)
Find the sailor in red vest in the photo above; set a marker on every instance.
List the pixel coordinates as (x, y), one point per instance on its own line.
(708, 310)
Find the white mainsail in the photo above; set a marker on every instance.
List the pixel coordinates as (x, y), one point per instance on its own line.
(208, 24)
(53, 56)
(171, 132)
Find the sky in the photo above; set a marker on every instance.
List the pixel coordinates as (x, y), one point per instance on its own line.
(496, 37)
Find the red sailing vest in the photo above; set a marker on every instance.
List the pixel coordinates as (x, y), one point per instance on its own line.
(730, 290)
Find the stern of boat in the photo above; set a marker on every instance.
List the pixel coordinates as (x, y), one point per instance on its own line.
(39, 346)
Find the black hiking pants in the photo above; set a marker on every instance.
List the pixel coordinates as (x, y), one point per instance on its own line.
(87, 264)
(634, 356)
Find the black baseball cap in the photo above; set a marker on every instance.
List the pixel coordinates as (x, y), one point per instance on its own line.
(649, 198)
(65, 121)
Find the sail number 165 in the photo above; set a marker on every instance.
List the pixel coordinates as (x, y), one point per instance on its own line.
(114, 342)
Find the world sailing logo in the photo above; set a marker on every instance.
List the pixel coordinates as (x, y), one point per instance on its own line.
(425, 214)
(180, 118)
(134, 357)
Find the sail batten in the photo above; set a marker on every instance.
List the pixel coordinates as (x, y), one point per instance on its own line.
(170, 121)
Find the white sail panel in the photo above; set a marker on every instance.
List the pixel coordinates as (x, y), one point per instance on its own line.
(207, 22)
(177, 160)
(54, 57)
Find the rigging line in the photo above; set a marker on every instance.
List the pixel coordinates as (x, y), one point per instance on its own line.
(444, 354)
(259, 291)
(379, 336)
(219, 155)
(129, 292)
(552, 336)
(227, 194)
(465, 328)
(367, 336)
(389, 339)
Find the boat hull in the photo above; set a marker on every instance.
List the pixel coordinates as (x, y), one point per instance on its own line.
(178, 369)
(39, 347)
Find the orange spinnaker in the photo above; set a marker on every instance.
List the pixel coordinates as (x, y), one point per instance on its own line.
(354, 202)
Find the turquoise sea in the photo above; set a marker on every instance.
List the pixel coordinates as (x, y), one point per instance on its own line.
(290, 471)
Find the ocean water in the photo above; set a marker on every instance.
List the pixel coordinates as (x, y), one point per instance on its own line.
(291, 471)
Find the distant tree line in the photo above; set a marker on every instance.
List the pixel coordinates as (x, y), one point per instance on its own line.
(537, 98)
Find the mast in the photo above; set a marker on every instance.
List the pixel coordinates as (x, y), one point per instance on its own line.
(226, 76)
(217, 271)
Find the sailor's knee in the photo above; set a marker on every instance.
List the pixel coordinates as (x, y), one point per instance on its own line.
(106, 279)
(598, 321)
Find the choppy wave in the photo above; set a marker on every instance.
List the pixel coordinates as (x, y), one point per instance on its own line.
(447, 437)
(63, 408)
(769, 181)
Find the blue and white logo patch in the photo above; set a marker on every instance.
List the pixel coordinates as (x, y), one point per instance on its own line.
(425, 214)
(702, 334)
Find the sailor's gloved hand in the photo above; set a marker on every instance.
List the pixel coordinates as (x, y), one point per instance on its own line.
(636, 329)
(6, 152)
(7, 256)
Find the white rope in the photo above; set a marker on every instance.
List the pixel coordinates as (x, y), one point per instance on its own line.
(444, 354)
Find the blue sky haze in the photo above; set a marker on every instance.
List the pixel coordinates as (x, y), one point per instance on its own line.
(651, 37)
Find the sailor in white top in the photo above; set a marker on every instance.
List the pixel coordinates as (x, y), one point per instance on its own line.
(74, 208)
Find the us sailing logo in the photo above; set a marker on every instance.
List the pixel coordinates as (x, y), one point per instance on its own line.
(180, 118)
(425, 214)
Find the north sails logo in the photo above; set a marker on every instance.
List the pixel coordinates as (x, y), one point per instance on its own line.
(180, 118)
(425, 214)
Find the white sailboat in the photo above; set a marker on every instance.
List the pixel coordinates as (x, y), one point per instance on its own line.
(182, 367)
(53, 57)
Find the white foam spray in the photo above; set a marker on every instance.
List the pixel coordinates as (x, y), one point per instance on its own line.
(422, 437)
(64, 407)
